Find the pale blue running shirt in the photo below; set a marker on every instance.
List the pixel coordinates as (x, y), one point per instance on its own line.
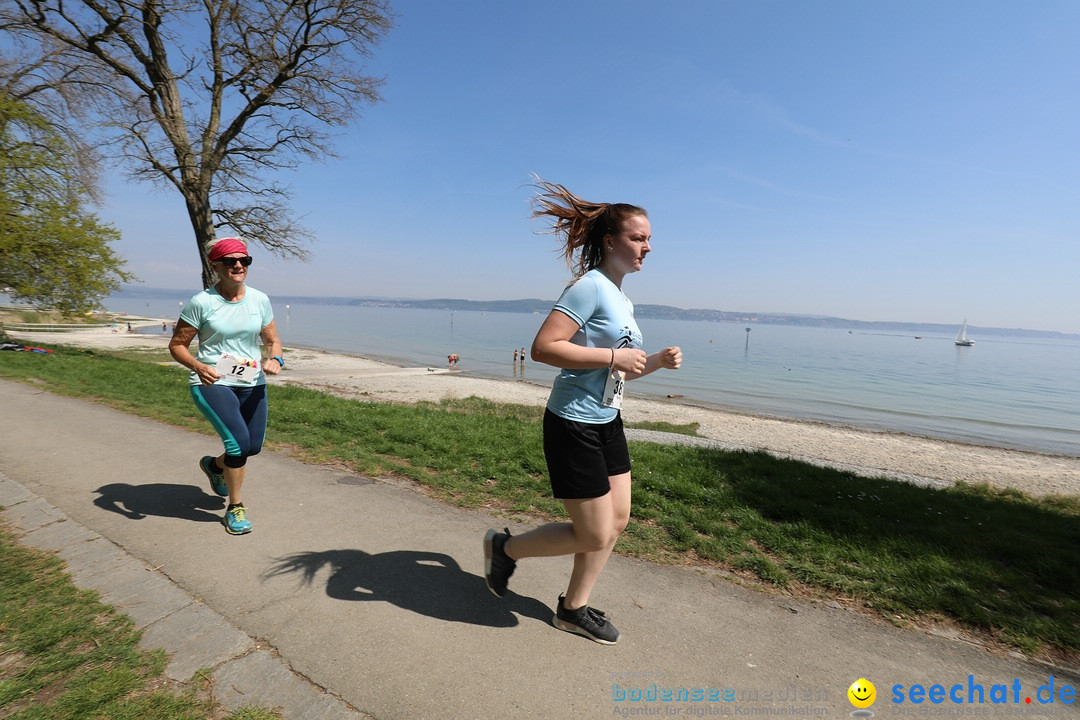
(605, 318)
(231, 327)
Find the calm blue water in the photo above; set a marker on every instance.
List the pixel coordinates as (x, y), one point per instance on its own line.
(1021, 393)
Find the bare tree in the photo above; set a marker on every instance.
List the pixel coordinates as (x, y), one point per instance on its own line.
(209, 96)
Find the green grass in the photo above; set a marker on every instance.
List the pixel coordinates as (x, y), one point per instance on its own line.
(690, 429)
(66, 656)
(996, 562)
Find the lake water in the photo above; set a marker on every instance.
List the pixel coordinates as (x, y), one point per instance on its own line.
(1021, 393)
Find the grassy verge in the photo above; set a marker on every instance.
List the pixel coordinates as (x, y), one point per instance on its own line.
(995, 562)
(690, 429)
(65, 656)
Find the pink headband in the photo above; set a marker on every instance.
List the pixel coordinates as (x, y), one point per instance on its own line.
(227, 246)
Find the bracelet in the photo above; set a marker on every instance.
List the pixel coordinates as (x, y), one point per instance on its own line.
(280, 360)
(612, 365)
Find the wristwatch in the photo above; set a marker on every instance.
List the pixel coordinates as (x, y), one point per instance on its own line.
(280, 360)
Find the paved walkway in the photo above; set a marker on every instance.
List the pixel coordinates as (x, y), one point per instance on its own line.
(362, 598)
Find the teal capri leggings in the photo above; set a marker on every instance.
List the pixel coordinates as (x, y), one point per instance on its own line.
(239, 416)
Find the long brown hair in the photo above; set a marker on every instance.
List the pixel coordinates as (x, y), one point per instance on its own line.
(583, 224)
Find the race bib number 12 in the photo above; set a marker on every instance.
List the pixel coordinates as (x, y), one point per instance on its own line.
(236, 369)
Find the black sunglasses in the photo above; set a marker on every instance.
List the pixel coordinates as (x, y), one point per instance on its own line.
(229, 262)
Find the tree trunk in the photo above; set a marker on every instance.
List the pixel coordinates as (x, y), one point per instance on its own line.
(202, 221)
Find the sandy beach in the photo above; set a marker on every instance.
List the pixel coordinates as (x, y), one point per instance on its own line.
(922, 460)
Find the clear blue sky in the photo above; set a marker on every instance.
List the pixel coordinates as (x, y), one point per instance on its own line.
(913, 161)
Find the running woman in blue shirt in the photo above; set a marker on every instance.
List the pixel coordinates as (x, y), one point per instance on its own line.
(592, 336)
(228, 377)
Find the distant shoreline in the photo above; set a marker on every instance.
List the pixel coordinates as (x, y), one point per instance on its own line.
(642, 310)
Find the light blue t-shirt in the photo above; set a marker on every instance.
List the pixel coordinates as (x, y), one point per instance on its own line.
(231, 327)
(605, 318)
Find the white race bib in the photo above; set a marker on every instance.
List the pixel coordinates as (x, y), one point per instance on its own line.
(613, 389)
(236, 369)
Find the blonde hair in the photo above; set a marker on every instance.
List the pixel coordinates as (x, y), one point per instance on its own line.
(583, 224)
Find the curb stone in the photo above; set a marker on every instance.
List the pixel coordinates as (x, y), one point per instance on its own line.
(194, 636)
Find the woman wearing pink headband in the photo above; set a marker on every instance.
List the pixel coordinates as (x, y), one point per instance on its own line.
(228, 377)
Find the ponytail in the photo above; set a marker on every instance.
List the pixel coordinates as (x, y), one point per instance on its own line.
(583, 224)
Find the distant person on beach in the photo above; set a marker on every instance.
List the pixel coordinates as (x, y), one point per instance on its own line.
(592, 336)
(452, 358)
(162, 327)
(227, 380)
(515, 356)
(522, 356)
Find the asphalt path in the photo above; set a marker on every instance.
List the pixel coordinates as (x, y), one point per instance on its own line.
(362, 597)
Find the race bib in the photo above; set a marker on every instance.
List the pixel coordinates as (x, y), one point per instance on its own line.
(237, 369)
(613, 389)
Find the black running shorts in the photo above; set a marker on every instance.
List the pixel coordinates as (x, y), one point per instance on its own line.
(582, 456)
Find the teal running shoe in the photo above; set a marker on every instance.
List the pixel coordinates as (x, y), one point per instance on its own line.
(217, 480)
(236, 522)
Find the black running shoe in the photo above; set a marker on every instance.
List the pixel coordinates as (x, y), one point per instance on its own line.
(498, 566)
(586, 621)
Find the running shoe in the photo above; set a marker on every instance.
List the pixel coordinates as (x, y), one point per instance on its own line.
(217, 480)
(586, 621)
(236, 522)
(498, 566)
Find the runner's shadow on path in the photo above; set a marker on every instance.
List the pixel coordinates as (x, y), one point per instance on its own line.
(427, 583)
(136, 502)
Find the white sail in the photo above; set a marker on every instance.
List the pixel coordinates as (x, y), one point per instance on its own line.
(962, 339)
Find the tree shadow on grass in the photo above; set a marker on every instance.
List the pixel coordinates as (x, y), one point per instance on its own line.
(995, 559)
(136, 502)
(427, 583)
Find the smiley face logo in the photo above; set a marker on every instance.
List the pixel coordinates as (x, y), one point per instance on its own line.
(862, 693)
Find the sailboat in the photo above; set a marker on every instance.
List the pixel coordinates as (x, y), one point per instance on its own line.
(962, 339)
